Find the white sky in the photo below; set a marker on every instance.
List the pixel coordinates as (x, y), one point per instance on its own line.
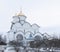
(45, 13)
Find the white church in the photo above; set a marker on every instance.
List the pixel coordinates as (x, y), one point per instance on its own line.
(21, 27)
(22, 31)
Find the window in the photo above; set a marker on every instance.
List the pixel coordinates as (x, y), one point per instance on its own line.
(19, 37)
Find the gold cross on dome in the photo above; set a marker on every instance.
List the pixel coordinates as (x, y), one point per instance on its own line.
(20, 13)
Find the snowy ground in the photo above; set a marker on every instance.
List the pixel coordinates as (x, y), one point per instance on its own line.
(32, 50)
(11, 49)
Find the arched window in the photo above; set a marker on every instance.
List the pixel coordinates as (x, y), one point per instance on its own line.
(37, 37)
(19, 37)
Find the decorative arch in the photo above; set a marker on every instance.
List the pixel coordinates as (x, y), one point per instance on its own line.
(28, 34)
(19, 36)
(38, 36)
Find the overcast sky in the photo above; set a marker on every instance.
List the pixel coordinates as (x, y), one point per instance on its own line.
(45, 13)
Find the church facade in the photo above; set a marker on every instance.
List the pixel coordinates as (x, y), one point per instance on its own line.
(21, 33)
(21, 29)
